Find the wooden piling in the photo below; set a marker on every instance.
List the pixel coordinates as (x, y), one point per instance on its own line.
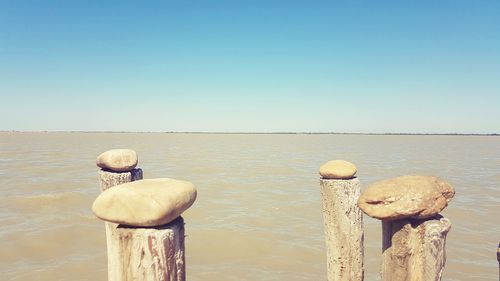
(142, 253)
(343, 222)
(108, 179)
(414, 249)
(148, 254)
(498, 259)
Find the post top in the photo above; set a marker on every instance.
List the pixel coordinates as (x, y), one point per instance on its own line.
(411, 196)
(117, 160)
(337, 169)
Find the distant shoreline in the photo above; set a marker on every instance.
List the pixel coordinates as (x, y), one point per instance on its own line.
(260, 133)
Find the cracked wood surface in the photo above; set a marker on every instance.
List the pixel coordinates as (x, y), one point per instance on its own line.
(414, 249)
(148, 254)
(343, 221)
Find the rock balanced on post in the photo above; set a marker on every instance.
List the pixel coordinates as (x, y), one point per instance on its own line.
(143, 220)
(117, 160)
(118, 166)
(343, 221)
(413, 232)
(145, 203)
(151, 231)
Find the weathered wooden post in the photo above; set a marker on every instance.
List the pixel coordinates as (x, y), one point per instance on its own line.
(343, 221)
(414, 249)
(413, 233)
(498, 259)
(118, 166)
(109, 178)
(148, 244)
(148, 253)
(146, 240)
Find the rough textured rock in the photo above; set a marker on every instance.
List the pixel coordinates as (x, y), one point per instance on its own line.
(406, 197)
(117, 160)
(149, 202)
(337, 169)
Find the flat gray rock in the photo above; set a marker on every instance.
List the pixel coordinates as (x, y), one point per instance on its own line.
(406, 197)
(150, 202)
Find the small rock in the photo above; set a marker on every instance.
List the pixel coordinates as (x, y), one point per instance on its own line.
(150, 202)
(337, 169)
(117, 160)
(406, 197)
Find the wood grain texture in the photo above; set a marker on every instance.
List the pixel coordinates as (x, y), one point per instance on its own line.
(108, 179)
(498, 259)
(343, 222)
(414, 249)
(148, 254)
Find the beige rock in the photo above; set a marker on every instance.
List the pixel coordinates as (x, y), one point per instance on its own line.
(150, 202)
(337, 169)
(406, 197)
(117, 160)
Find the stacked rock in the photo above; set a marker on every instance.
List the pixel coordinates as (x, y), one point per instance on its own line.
(337, 169)
(117, 166)
(143, 219)
(117, 160)
(343, 221)
(414, 234)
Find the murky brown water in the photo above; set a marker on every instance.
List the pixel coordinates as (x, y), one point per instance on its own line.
(258, 213)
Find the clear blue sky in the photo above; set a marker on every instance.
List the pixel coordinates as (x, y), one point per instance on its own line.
(319, 66)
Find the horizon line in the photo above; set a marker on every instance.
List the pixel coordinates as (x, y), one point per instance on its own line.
(253, 133)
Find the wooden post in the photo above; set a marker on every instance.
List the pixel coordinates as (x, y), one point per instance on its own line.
(142, 253)
(148, 254)
(108, 179)
(498, 259)
(414, 249)
(343, 221)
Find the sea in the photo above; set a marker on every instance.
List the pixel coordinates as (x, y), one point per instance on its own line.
(258, 213)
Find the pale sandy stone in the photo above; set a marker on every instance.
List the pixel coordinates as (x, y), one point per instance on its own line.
(406, 197)
(117, 160)
(150, 202)
(337, 169)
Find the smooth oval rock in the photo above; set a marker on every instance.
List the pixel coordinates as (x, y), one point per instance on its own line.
(150, 202)
(337, 169)
(117, 160)
(406, 197)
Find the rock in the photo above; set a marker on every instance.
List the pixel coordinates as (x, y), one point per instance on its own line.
(337, 169)
(406, 197)
(150, 202)
(117, 160)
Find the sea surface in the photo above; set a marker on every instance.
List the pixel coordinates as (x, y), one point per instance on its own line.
(258, 213)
